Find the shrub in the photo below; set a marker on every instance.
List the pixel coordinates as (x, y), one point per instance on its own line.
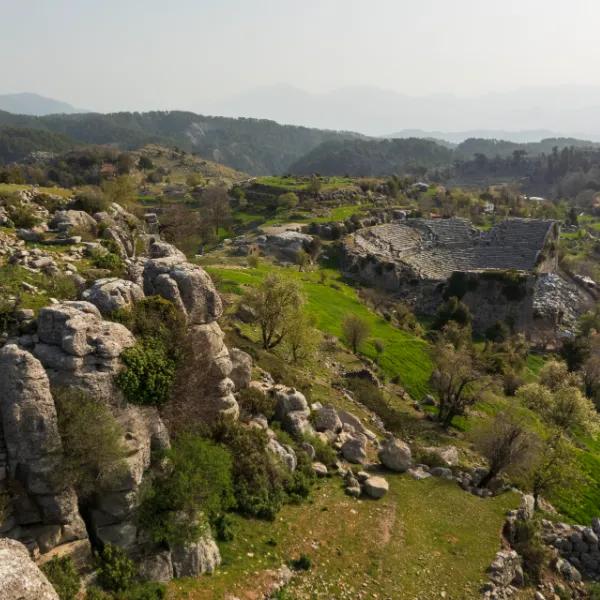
(529, 545)
(196, 489)
(373, 398)
(62, 287)
(156, 318)
(149, 373)
(91, 439)
(116, 570)
(452, 310)
(91, 200)
(298, 483)
(253, 402)
(252, 261)
(223, 527)
(356, 331)
(536, 397)
(258, 477)
(323, 451)
(149, 590)
(63, 576)
(108, 260)
(303, 563)
(22, 215)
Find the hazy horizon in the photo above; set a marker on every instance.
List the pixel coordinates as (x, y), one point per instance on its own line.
(475, 65)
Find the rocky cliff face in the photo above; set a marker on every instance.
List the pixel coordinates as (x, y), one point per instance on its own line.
(20, 578)
(44, 513)
(74, 346)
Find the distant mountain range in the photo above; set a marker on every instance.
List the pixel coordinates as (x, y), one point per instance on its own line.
(524, 115)
(33, 104)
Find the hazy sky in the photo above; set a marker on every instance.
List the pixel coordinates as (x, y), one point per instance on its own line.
(143, 54)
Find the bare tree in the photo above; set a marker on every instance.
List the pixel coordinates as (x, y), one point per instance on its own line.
(356, 331)
(505, 443)
(215, 208)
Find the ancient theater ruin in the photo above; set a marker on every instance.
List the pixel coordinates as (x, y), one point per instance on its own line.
(507, 274)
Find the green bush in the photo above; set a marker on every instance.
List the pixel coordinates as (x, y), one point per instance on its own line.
(149, 373)
(108, 260)
(253, 402)
(149, 590)
(91, 200)
(529, 545)
(63, 576)
(22, 215)
(156, 318)
(92, 441)
(302, 563)
(298, 484)
(452, 310)
(116, 570)
(223, 527)
(373, 398)
(258, 477)
(62, 287)
(196, 490)
(323, 451)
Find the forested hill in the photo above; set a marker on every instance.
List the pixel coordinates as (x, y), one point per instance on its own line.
(18, 142)
(255, 146)
(372, 157)
(492, 148)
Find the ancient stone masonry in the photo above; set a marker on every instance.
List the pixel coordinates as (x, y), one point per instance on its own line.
(506, 274)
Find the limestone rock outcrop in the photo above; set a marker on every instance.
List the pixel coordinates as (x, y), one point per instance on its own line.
(112, 515)
(241, 368)
(188, 286)
(20, 578)
(45, 512)
(79, 349)
(191, 560)
(203, 382)
(66, 220)
(111, 294)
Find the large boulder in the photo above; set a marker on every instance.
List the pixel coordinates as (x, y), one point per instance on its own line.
(354, 447)
(291, 410)
(160, 249)
(79, 349)
(327, 419)
(241, 368)
(196, 558)
(20, 578)
(448, 455)
(111, 294)
(395, 455)
(375, 487)
(66, 220)
(188, 286)
(44, 509)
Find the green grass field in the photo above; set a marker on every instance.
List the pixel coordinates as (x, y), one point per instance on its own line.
(412, 544)
(296, 184)
(11, 188)
(404, 355)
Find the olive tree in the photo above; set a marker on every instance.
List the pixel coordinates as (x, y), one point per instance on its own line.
(356, 331)
(275, 302)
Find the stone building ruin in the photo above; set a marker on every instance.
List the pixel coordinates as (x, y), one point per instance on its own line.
(508, 274)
